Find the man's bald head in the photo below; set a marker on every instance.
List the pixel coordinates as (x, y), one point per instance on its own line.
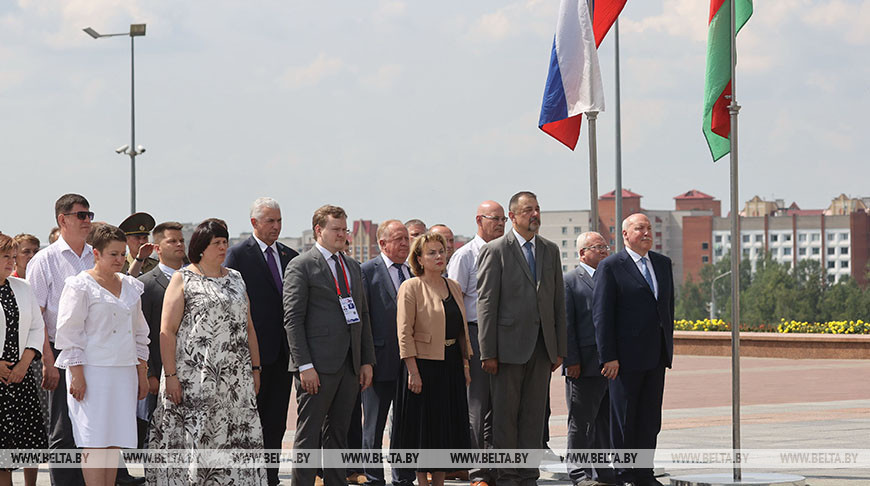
(490, 220)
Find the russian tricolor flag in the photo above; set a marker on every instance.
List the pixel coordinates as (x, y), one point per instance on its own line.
(574, 81)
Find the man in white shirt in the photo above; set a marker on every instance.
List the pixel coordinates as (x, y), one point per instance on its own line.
(463, 268)
(47, 272)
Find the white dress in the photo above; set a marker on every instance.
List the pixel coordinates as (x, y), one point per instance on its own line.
(107, 335)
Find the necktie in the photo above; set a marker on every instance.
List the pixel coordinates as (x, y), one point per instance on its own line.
(401, 273)
(530, 258)
(646, 275)
(273, 267)
(339, 271)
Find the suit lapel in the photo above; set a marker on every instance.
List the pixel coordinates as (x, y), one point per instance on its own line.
(260, 258)
(284, 257)
(325, 270)
(585, 277)
(384, 272)
(160, 277)
(514, 247)
(632, 269)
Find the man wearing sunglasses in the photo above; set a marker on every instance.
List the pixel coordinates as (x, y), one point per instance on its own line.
(46, 272)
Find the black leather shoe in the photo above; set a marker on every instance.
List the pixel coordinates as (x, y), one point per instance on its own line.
(127, 479)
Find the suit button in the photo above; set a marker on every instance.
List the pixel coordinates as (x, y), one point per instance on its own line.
(114, 331)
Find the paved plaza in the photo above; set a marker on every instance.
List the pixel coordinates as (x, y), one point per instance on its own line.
(787, 404)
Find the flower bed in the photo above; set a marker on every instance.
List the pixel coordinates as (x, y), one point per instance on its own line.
(785, 326)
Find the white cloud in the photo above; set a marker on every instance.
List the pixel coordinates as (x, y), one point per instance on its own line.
(679, 18)
(323, 67)
(71, 16)
(536, 16)
(850, 19)
(384, 78)
(388, 9)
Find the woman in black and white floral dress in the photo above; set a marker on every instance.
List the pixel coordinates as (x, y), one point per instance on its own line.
(21, 338)
(211, 367)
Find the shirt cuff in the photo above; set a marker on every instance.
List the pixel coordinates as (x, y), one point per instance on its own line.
(306, 367)
(70, 357)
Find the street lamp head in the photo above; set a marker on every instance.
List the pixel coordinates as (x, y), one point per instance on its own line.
(137, 30)
(91, 32)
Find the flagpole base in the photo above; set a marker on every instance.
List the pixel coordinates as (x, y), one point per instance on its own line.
(747, 479)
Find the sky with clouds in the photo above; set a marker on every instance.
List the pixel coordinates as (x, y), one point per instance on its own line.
(405, 109)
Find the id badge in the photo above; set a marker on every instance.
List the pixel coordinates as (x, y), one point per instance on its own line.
(349, 309)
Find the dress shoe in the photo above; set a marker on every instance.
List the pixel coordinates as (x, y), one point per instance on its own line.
(127, 479)
(590, 482)
(357, 478)
(648, 482)
(479, 483)
(461, 475)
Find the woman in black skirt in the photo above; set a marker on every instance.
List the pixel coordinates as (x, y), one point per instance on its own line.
(22, 334)
(431, 405)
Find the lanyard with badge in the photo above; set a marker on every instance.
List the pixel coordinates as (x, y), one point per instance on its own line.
(347, 306)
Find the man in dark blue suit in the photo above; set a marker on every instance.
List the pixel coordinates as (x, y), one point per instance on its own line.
(633, 313)
(382, 276)
(261, 260)
(585, 388)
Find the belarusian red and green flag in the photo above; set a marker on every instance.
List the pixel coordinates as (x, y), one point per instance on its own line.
(717, 85)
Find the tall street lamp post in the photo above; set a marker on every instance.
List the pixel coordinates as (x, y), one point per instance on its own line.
(136, 30)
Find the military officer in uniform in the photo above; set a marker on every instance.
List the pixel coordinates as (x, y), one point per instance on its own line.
(137, 227)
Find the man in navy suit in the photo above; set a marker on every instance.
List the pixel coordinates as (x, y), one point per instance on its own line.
(633, 313)
(585, 388)
(382, 276)
(261, 260)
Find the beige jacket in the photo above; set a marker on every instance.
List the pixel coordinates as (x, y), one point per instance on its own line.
(421, 321)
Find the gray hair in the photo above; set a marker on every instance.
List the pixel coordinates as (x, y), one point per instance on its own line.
(263, 202)
(583, 239)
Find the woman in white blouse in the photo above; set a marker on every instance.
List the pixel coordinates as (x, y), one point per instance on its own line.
(103, 338)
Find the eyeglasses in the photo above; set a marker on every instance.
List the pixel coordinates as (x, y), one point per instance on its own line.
(494, 218)
(597, 248)
(82, 215)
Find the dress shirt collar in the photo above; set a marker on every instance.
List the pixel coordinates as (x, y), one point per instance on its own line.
(167, 270)
(522, 241)
(589, 270)
(635, 255)
(64, 246)
(263, 245)
(476, 242)
(389, 263)
(326, 253)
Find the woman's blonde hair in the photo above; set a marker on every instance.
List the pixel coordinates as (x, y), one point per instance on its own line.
(417, 249)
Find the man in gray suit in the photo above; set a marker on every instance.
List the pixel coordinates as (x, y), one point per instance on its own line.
(521, 316)
(331, 353)
(585, 388)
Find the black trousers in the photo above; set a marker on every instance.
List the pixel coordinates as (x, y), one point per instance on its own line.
(60, 434)
(588, 424)
(273, 402)
(636, 415)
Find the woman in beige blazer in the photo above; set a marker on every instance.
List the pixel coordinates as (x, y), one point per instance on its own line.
(432, 410)
(21, 338)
